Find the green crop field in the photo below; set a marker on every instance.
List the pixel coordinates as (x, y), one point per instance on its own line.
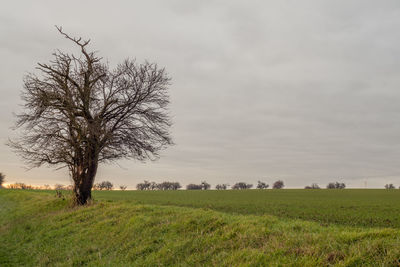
(356, 207)
(202, 228)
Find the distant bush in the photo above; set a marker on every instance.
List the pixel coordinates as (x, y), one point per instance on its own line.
(336, 185)
(278, 185)
(221, 186)
(105, 185)
(389, 186)
(2, 179)
(312, 186)
(241, 186)
(262, 185)
(122, 187)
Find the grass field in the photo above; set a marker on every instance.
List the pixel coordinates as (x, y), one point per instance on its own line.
(354, 207)
(182, 228)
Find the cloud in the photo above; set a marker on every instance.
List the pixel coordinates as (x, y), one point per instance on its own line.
(304, 91)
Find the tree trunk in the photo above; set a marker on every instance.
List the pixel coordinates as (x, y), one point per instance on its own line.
(86, 168)
(83, 181)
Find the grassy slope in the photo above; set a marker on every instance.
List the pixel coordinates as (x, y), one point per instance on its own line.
(353, 207)
(38, 229)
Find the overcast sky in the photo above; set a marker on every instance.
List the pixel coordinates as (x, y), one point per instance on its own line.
(303, 91)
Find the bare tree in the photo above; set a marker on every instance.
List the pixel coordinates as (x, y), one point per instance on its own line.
(262, 185)
(221, 186)
(153, 186)
(2, 178)
(336, 185)
(79, 113)
(123, 187)
(144, 186)
(330, 186)
(194, 187)
(205, 185)
(340, 185)
(389, 186)
(241, 186)
(105, 185)
(278, 185)
(312, 186)
(168, 186)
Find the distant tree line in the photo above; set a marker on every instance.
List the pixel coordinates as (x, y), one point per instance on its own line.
(146, 185)
(19, 186)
